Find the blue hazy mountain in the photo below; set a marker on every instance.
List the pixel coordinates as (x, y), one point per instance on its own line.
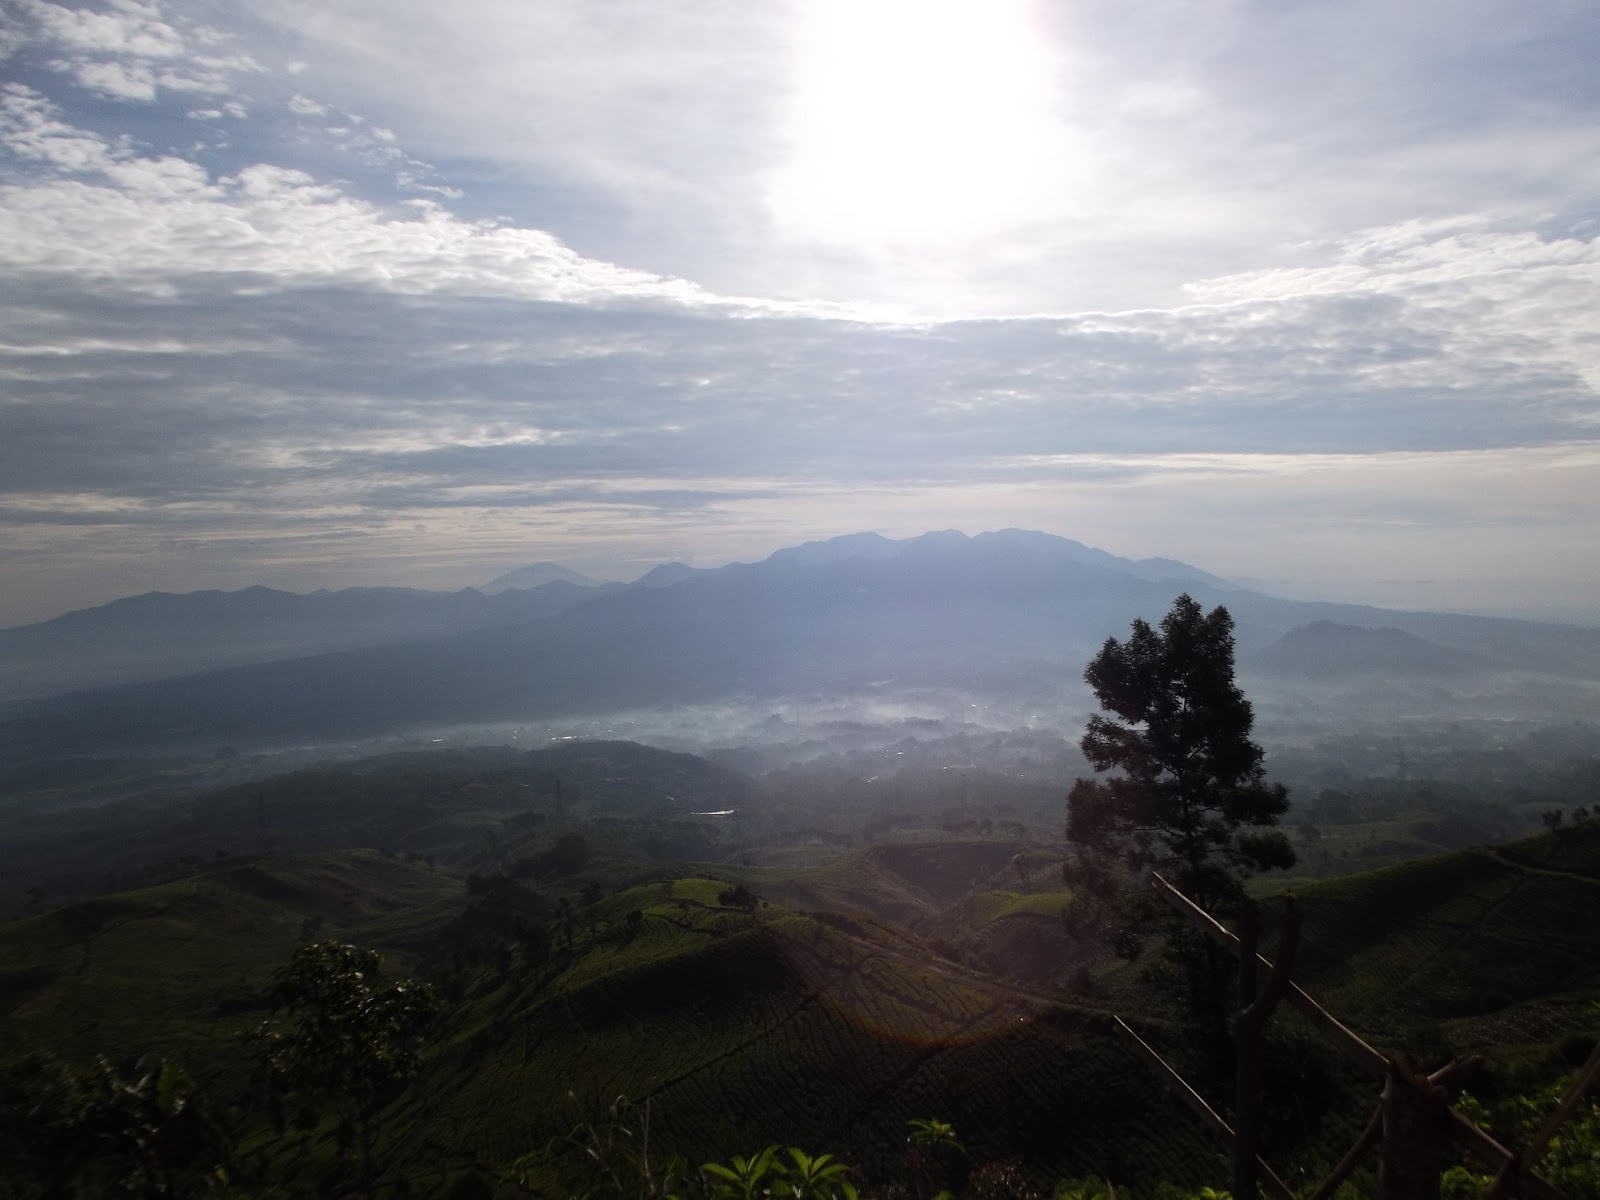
(1021, 542)
(1009, 614)
(1331, 650)
(535, 575)
(161, 634)
(667, 574)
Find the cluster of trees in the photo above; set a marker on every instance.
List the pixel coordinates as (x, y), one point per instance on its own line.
(1179, 787)
(101, 1131)
(613, 1158)
(342, 1039)
(1189, 796)
(1183, 791)
(1553, 818)
(341, 1043)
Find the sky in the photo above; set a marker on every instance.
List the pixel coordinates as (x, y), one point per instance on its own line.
(321, 293)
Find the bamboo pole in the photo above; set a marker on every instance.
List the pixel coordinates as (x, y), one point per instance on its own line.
(1197, 1103)
(1346, 1039)
(1363, 1147)
(1256, 1006)
(1496, 1157)
(1490, 1152)
(1523, 1164)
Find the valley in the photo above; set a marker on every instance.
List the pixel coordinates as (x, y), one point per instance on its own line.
(776, 856)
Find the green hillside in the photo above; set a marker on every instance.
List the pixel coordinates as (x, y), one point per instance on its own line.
(741, 1029)
(900, 981)
(179, 967)
(1495, 946)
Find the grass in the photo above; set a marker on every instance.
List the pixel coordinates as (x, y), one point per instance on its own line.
(744, 1029)
(984, 908)
(827, 1028)
(178, 967)
(1461, 942)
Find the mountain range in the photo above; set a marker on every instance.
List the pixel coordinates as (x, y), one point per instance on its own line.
(162, 634)
(1011, 613)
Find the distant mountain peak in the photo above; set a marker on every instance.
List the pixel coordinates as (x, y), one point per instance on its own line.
(666, 574)
(837, 549)
(1331, 649)
(1154, 570)
(1029, 541)
(534, 574)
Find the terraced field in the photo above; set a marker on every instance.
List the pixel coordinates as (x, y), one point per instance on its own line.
(177, 968)
(743, 1029)
(819, 1018)
(1498, 944)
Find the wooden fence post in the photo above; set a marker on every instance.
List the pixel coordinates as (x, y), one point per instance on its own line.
(1255, 1007)
(1416, 1132)
(1415, 1120)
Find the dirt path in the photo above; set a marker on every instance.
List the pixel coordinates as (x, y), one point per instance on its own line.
(1494, 853)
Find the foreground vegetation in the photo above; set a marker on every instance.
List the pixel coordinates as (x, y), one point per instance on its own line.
(739, 1007)
(615, 970)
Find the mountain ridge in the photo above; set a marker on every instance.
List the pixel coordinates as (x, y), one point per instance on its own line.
(1007, 614)
(160, 634)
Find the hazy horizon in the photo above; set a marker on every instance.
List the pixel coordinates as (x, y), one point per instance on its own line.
(1400, 595)
(321, 296)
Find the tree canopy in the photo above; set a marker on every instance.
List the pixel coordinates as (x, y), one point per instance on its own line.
(345, 1037)
(1189, 793)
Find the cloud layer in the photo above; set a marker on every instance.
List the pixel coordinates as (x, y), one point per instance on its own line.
(250, 334)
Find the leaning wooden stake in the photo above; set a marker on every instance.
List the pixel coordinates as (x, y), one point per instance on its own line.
(1204, 1111)
(1527, 1183)
(1516, 1170)
(1369, 1138)
(1255, 1007)
(1416, 1133)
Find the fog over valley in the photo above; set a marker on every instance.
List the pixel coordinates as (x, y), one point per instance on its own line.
(862, 653)
(830, 599)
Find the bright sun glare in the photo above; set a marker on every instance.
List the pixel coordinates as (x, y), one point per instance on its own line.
(915, 120)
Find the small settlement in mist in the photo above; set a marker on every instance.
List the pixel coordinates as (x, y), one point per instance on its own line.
(960, 600)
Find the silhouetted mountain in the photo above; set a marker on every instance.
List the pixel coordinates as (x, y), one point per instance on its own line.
(1020, 541)
(1157, 570)
(535, 575)
(839, 549)
(1009, 614)
(666, 575)
(1329, 650)
(161, 634)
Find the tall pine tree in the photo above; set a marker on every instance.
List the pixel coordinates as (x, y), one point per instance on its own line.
(1185, 791)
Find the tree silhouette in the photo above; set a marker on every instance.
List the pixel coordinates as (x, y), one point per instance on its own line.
(98, 1131)
(339, 1036)
(1189, 795)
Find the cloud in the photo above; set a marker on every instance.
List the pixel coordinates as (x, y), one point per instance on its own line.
(1497, 290)
(1176, 141)
(127, 51)
(244, 390)
(125, 28)
(445, 287)
(136, 219)
(31, 128)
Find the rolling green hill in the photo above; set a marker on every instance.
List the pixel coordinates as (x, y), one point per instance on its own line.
(179, 967)
(741, 1029)
(895, 982)
(1496, 946)
(457, 806)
